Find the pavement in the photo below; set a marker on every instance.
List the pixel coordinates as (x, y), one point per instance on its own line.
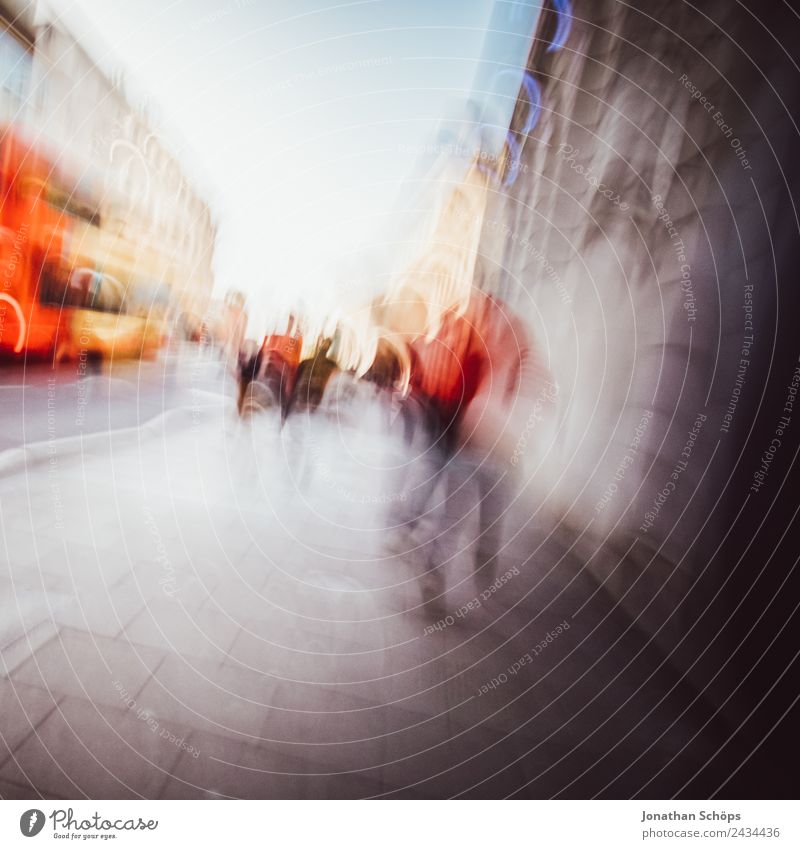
(42, 402)
(217, 608)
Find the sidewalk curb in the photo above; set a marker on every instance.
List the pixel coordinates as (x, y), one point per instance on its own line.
(15, 460)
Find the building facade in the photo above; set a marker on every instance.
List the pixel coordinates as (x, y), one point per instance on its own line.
(645, 231)
(155, 225)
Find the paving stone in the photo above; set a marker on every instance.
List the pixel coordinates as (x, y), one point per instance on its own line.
(205, 696)
(22, 708)
(75, 663)
(169, 626)
(85, 750)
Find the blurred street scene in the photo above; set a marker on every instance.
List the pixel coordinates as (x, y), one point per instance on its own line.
(211, 607)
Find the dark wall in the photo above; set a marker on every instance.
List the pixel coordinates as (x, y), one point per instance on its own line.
(651, 238)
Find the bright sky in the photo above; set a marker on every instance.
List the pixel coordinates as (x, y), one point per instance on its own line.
(304, 116)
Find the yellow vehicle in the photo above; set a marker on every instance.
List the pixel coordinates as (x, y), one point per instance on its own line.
(110, 318)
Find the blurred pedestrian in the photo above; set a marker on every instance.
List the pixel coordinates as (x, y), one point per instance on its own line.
(469, 382)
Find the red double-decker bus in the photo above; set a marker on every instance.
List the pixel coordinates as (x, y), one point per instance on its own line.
(57, 299)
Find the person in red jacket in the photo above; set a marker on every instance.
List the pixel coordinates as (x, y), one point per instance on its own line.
(470, 380)
(280, 358)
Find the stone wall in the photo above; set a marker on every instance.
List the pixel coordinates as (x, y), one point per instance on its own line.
(643, 237)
